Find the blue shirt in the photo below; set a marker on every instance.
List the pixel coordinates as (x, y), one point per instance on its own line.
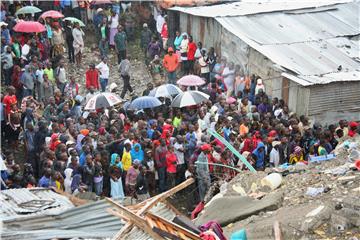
(65, 3)
(44, 182)
(82, 159)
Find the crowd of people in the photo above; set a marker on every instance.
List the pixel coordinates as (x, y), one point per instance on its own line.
(119, 152)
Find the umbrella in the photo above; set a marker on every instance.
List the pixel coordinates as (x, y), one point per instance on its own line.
(144, 102)
(98, 2)
(189, 98)
(165, 90)
(29, 27)
(102, 100)
(52, 14)
(74, 20)
(191, 80)
(28, 10)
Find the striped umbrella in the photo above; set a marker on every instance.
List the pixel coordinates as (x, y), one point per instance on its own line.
(189, 98)
(102, 100)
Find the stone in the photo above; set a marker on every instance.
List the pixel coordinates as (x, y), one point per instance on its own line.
(229, 209)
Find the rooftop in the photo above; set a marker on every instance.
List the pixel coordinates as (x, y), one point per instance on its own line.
(309, 41)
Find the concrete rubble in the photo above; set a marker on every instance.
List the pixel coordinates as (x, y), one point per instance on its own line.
(332, 213)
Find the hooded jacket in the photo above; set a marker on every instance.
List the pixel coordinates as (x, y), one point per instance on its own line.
(260, 156)
(137, 155)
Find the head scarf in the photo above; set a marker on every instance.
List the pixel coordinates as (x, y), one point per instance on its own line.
(297, 150)
(137, 155)
(114, 156)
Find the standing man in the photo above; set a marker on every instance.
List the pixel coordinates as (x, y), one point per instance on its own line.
(120, 43)
(124, 70)
(7, 63)
(69, 41)
(145, 38)
(160, 164)
(170, 63)
(104, 69)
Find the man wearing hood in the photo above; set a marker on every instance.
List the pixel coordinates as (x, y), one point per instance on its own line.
(27, 80)
(259, 154)
(171, 63)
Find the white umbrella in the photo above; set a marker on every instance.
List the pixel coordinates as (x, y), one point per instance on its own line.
(165, 90)
(189, 98)
(102, 100)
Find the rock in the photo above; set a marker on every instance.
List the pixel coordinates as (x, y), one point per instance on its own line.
(230, 208)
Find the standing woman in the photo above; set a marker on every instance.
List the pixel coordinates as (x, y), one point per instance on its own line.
(78, 42)
(58, 40)
(114, 23)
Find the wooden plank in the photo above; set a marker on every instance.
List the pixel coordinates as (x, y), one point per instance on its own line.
(277, 231)
(151, 203)
(165, 234)
(178, 228)
(122, 211)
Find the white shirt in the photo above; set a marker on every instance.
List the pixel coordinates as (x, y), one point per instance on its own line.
(274, 157)
(160, 20)
(25, 50)
(61, 74)
(179, 154)
(229, 77)
(104, 70)
(114, 21)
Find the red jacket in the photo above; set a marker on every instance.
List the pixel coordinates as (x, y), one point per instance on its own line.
(191, 51)
(92, 78)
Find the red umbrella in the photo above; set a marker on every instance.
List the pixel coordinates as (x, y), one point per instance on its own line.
(52, 14)
(29, 27)
(191, 80)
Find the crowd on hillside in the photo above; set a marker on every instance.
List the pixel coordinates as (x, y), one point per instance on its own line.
(117, 152)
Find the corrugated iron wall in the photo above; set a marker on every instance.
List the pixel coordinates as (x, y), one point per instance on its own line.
(335, 101)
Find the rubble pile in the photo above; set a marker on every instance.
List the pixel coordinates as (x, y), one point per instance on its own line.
(315, 201)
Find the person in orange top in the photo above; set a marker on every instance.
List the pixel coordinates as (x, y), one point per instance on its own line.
(244, 129)
(170, 63)
(92, 77)
(9, 100)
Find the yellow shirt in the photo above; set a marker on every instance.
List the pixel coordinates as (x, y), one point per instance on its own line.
(126, 160)
(50, 74)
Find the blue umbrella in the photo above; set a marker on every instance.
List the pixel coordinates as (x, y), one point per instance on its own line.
(145, 102)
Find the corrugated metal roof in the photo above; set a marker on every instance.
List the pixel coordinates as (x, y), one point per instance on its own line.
(86, 221)
(160, 209)
(281, 28)
(309, 45)
(25, 203)
(252, 7)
